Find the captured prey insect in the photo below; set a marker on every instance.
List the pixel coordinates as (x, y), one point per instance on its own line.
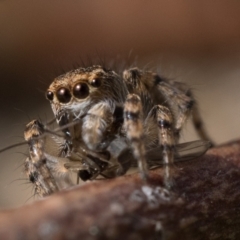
(108, 124)
(49, 173)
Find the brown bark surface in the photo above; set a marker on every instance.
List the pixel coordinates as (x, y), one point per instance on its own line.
(203, 204)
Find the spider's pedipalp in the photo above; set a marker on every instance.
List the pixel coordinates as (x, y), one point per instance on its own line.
(95, 124)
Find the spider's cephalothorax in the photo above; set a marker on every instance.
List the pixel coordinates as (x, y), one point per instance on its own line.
(108, 120)
(90, 94)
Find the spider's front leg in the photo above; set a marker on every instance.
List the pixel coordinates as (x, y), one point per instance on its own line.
(134, 131)
(35, 165)
(44, 166)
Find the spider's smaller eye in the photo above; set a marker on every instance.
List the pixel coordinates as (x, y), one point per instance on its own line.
(81, 90)
(63, 95)
(96, 82)
(49, 95)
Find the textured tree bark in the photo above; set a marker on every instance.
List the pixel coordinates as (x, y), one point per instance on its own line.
(203, 204)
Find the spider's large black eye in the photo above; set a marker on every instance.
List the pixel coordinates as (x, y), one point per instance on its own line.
(49, 95)
(63, 95)
(96, 82)
(81, 90)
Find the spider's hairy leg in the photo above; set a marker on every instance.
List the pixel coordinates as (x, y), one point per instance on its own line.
(199, 124)
(40, 176)
(176, 95)
(134, 131)
(166, 139)
(95, 125)
(159, 131)
(35, 165)
(180, 96)
(44, 166)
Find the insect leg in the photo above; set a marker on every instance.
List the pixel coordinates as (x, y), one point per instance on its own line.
(89, 164)
(134, 131)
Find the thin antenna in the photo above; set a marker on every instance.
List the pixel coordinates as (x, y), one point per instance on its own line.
(12, 146)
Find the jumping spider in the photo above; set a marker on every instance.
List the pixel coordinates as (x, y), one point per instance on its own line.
(107, 124)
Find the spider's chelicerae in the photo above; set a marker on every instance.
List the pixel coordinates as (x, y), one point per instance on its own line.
(108, 124)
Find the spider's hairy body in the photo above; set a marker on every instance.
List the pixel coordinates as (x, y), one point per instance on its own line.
(111, 122)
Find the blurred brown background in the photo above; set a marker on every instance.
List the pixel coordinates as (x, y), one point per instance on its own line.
(197, 42)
